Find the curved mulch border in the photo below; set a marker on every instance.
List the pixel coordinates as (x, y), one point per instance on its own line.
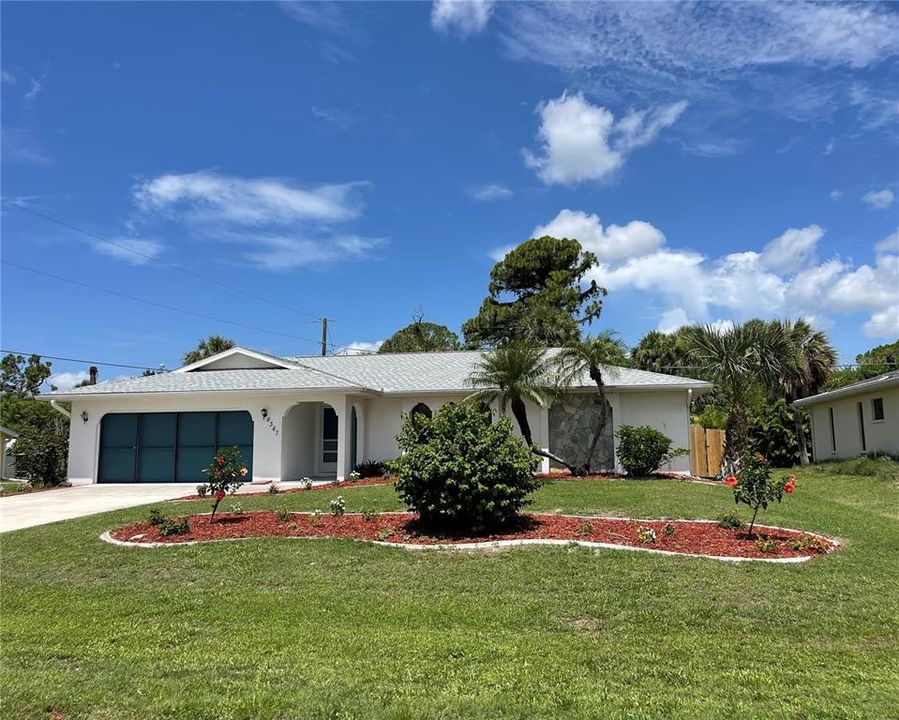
(693, 538)
(290, 491)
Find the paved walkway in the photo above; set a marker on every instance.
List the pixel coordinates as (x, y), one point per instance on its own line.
(40, 508)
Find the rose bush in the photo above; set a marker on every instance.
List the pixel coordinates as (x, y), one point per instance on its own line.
(756, 488)
(226, 473)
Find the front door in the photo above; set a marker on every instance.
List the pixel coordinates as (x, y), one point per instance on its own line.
(327, 460)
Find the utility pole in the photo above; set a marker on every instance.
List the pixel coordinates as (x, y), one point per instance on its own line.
(324, 336)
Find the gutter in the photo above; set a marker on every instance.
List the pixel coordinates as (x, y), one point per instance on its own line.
(60, 409)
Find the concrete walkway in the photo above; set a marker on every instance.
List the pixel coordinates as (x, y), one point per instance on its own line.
(24, 510)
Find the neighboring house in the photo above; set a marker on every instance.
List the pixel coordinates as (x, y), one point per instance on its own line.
(318, 416)
(7, 461)
(855, 419)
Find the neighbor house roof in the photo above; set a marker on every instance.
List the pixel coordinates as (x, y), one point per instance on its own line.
(380, 374)
(871, 385)
(9, 433)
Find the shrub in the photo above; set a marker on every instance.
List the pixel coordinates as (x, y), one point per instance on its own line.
(306, 483)
(646, 535)
(156, 516)
(371, 468)
(461, 472)
(730, 521)
(353, 476)
(202, 490)
(669, 530)
(237, 509)
(585, 528)
(338, 505)
(809, 543)
(755, 487)
(766, 545)
(273, 489)
(173, 526)
(369, 515)
(42, 452)
(282, 514)
(643, 450)
(226, 473)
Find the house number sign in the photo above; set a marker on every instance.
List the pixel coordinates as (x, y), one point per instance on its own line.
(270, 422)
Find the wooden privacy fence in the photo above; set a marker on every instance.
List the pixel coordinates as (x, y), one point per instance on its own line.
(706, 450)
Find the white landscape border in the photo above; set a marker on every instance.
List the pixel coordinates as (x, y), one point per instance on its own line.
(505, 544)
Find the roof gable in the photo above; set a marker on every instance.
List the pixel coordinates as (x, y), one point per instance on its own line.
(238, 358)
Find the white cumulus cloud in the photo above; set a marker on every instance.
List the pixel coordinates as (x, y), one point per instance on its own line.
(464, 17)
(490, 192)
(884, 323)
(581, 141)
(879, 199)
(360, 347)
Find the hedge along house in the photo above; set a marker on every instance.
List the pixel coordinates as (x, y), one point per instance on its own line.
(295, 417)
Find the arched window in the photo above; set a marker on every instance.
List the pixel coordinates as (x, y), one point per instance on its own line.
(420, 409)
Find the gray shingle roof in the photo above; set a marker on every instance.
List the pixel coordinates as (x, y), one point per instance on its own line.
(873, 384)
(400, 373)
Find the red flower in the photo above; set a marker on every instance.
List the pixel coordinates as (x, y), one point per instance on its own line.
(219, 495)
(731, 481)
(789, 487)
(221, 459)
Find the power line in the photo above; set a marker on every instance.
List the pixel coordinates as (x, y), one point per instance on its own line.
(154, 303)
(152, 258)
(85, 362)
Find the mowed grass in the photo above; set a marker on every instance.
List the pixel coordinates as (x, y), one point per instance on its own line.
(276, 628)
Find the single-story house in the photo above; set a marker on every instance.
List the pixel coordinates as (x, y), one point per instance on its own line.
(855, 419)
(295, 417)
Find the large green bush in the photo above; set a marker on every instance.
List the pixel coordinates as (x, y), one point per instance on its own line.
(643, 450)
(42, 452)
(462, 473)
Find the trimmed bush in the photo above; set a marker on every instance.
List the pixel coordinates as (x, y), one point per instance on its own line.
(371, 468)
(462, 473)
(643, 450)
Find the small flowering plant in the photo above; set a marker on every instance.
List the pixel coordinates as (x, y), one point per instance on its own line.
(226, 473)
(756, 488)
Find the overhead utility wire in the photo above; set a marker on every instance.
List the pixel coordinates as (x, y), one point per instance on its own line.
(155, 304)
(85, 362)
(169, 265)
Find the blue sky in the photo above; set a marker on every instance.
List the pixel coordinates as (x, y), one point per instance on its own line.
(363, 161)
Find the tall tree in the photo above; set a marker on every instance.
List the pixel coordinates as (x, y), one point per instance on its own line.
(599, 357)
(207, 348)
(739, 361)
(23, 378)
(420, 336)
(662, 353)
(537, 292)
(517, 371)
(811, 364)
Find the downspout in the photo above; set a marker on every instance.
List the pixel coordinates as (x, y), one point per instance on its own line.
(60, 409)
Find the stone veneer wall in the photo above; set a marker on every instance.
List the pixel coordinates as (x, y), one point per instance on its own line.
(572, 421)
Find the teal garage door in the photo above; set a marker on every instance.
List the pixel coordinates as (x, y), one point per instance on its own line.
(169, 447)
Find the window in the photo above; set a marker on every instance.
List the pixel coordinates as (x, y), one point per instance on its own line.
(833, 435)
(877, 409)
(421, 409)
(329, 435)
(861, 425)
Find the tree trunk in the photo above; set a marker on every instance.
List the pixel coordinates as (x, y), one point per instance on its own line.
(215, 507)
(521, 416)
(600, 426)
(734, 442)
(800, 436)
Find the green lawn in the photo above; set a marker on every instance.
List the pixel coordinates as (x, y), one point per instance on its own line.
(276, 628)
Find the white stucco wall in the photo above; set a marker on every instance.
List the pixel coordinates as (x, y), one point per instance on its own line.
(298, 441)
(667, 412)
(881, 436)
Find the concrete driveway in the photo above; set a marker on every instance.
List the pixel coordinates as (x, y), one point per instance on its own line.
(18, 511)
(39, 508)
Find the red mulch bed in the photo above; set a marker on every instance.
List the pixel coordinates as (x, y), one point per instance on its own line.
(290, 491)
(704, 538)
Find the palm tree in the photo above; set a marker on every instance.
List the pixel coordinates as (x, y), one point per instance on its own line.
(206, 348)
(594, 356)
(813, 362)
(515, 372)
(660, 352)
(739, 360)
